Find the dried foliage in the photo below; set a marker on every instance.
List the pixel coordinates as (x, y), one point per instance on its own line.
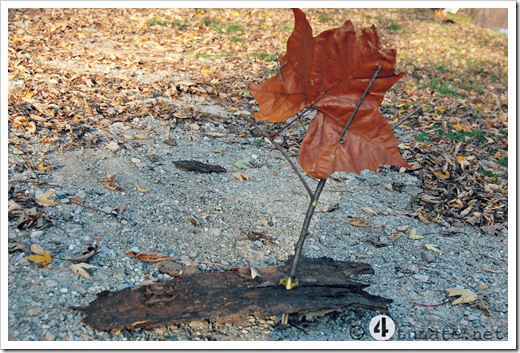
(330, 73)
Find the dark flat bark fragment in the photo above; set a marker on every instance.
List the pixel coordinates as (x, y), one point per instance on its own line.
(196, 166)
(231, 296)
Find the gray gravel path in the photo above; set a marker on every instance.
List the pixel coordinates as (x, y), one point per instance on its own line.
(204, 218)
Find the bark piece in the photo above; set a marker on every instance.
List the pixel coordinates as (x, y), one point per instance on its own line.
(231, 296)
(196, 166)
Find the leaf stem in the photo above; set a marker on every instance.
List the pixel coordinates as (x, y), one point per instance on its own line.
(341, 137)
(284, 154)
(305, 228)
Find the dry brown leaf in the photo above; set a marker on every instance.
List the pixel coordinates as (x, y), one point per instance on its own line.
(455, 203)
(142, 137)
(442, 175)
(17, 247)
(369, 211)
(43, 199)
(241, 177)
(148, 257)
(466, 296)
(12, 206)
(395, 236)
(108, 182)
(37, 249)
(42, 167)
(91, 251)
(462, 161)
(432, 247)
(140, 189)
(413, 235)
(359, 222)
(81, 269)
(388, 187)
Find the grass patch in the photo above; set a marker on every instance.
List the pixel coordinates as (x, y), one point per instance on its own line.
(392, 26)
(487, 173)
(502, 161)
(476, 136)
(424, 137)
(323, 17)
(234, 28)
(216, 25)
(443, 89)
(204, 56)
(156, 22)
(259, 143)
(266, 57)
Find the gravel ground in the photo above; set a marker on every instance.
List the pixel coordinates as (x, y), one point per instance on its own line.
(205, 218)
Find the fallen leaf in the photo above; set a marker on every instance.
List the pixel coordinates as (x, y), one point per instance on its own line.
(369, 211)
(432, 248)
(37, 249)
(148, 257)
(254, 273)
(462, 161)
(330, 73)
(466, 296)
(142, 137)
(108, 182)
(12, 206)
(81, 269)
(44, 260)
(442, 175)
(12, 247)
(140, 189)
(42, 167)
(171, 142)
(359, 222)
(455, 203)
(241, 177)
(241, 165)
(413, 235)
(91, 251)
(43, 199)
(395, 236)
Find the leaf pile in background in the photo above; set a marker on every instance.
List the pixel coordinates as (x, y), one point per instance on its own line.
(73, 73)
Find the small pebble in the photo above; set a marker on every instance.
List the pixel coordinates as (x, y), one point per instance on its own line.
(428, 257)
(51, 283)
(422, 278)
(113, 146)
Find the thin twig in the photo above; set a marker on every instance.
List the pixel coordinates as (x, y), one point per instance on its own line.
(297, 117)
(279, 68)
(305, 228)
(91, 208)
(429, 305)
(408, 116)
(284, 154)
(341, 137)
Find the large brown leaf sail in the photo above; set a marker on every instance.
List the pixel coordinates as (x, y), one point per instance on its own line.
(330, 73)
